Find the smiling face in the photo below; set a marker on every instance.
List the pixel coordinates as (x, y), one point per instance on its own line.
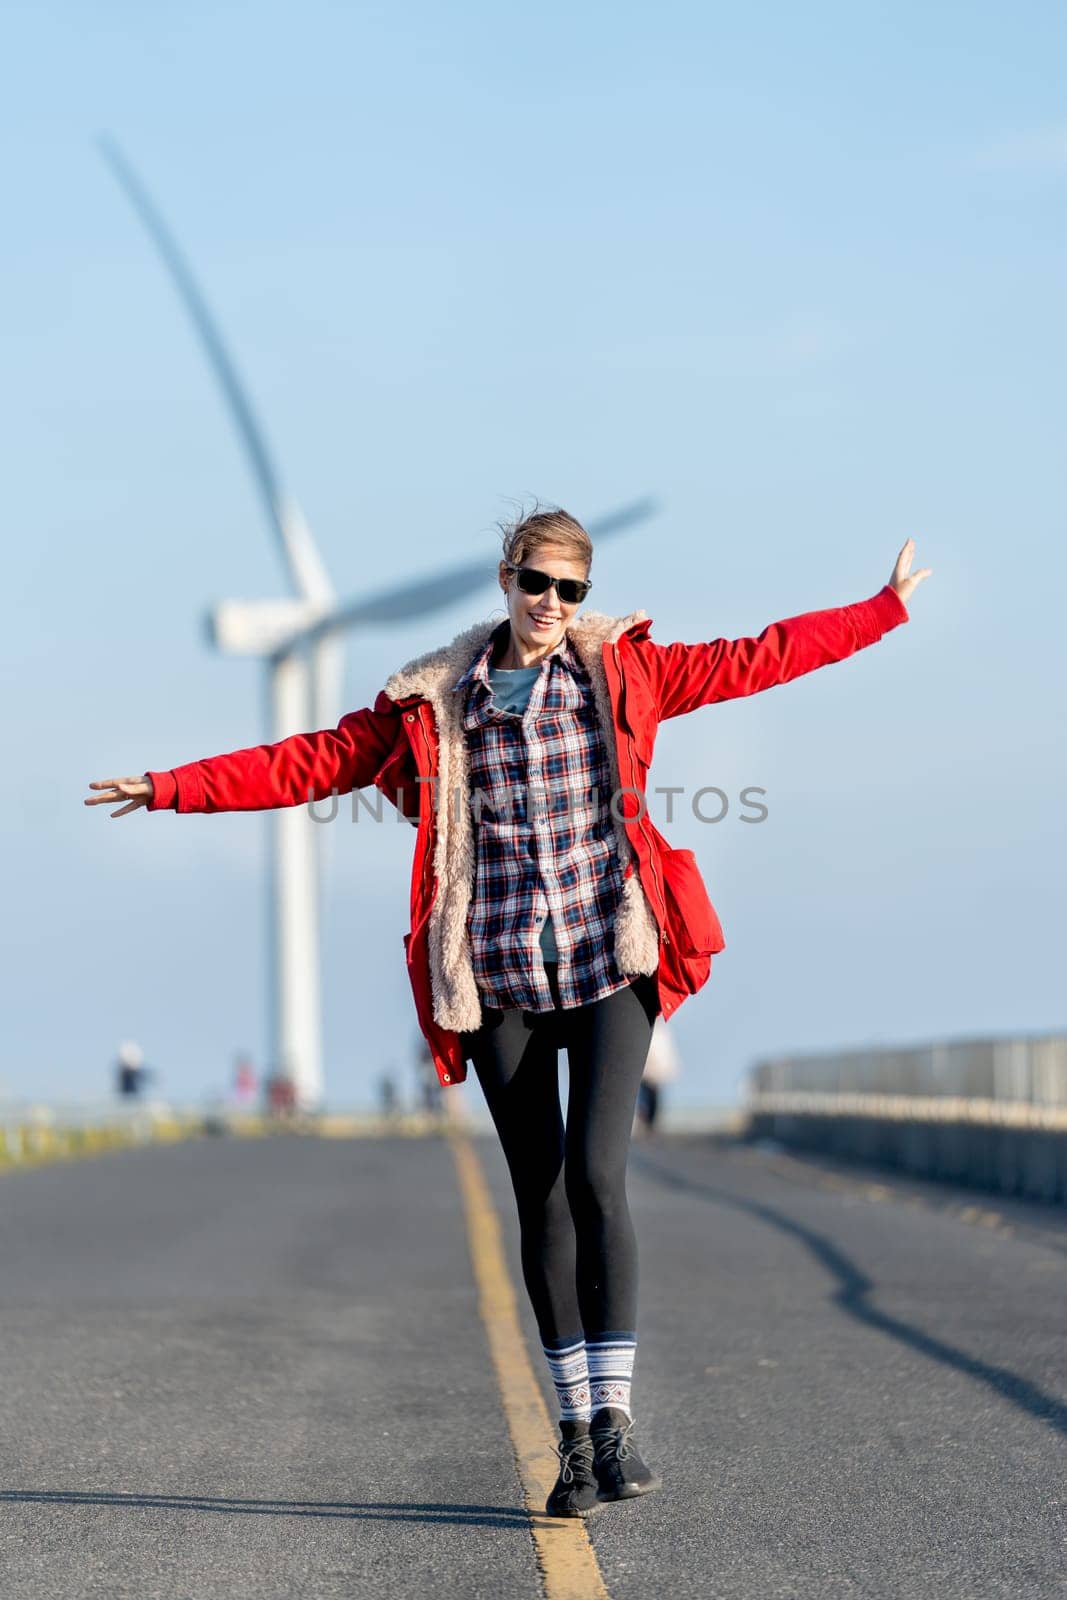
(538, 620)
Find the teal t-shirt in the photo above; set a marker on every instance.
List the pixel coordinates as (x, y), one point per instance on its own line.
(512, 687)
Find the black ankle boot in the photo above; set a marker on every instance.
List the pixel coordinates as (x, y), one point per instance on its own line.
(620, 1472)
(575, 1491)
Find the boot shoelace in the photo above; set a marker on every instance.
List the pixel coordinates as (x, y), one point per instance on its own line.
(613, 1442)
(582, 1446)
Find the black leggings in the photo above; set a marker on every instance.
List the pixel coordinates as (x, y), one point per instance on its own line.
(579, 1253)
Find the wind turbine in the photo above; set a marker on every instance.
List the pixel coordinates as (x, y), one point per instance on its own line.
(299, 638)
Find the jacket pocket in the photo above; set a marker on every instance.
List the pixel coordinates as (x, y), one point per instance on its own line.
(692, 923)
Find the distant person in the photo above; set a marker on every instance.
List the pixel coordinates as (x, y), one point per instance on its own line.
(281, 1095)
(561, 917)
(245, 1083)
(427, 1083)
(388, 1099)
(662, 1066)
(130, 1070)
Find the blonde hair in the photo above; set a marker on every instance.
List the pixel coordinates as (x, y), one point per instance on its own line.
(528, 531)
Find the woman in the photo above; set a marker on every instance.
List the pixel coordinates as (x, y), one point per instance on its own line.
(546, 910)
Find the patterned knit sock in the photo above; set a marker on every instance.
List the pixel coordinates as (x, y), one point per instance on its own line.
(611, 1366)
(570, 1374)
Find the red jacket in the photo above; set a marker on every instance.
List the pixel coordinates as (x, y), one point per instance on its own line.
(406, 735)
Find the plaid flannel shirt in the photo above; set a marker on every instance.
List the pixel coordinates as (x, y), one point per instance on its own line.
(545, 839)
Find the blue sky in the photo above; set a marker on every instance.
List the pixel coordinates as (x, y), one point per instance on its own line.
(797, 271)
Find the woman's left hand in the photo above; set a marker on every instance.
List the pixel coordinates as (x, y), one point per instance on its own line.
(904, 585)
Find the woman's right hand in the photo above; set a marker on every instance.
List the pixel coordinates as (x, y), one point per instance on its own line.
(138, 791)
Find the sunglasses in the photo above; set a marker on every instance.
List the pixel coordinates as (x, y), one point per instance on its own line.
(572, 591)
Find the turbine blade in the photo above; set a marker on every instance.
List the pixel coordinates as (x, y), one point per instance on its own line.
(418, 598)
(625, 517)
(304, 565)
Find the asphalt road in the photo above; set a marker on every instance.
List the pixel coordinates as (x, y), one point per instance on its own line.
(257, 1368)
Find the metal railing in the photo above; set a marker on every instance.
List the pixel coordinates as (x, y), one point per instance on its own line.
(985, 1111)
(1028, 1071)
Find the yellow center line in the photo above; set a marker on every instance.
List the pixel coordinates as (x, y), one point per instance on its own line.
(568, 1565)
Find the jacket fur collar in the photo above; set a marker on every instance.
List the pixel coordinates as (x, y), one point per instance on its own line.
(433, 674)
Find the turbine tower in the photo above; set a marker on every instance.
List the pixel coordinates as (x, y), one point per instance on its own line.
(300, 640)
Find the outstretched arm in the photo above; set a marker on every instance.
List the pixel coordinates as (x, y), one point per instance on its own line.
(305, 766)
(690, 675)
